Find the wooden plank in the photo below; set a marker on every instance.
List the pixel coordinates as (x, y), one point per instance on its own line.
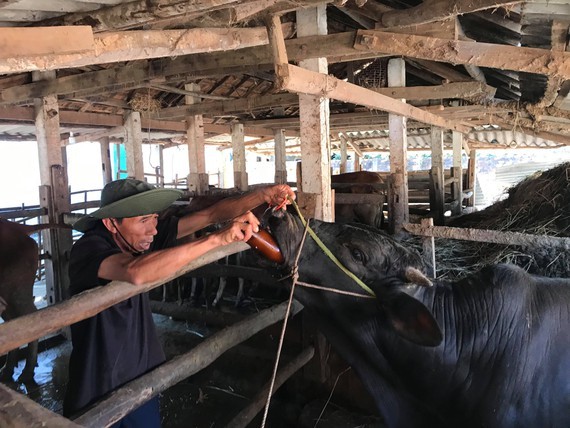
(438, 10)
(137, 392)
(134, 45)
(490, 236)
(19, 411)
(298, 80)
(529, 60)
(280, 153)
(33, 41)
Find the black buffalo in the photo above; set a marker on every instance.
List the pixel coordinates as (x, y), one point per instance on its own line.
(496, 352)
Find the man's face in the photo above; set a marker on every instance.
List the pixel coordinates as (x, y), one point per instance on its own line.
(137, 231)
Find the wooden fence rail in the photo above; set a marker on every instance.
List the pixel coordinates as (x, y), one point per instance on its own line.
(140, 390)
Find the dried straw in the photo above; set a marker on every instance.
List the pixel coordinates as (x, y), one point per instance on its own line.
(538, 205)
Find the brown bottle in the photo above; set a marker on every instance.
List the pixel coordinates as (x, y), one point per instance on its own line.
(265, 245)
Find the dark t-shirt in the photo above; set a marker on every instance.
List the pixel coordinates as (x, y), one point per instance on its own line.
(118, 344)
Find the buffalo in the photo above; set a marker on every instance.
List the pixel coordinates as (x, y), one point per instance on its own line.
(19, 261)
(490, 350)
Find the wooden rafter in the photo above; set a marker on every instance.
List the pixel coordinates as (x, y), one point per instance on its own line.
(298, 80)
(530, 60)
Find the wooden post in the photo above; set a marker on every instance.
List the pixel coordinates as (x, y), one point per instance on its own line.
(428, 247)
(280, 156)
(160, 180)
(343, 154)
(105, 160)
(472, 176)
(133, 145)
(314, 121)
(197, 177)
(398, 211)
(457, 173)
(299, 176)
(437, 190)
(356, 162)
(238, 146)
(54, 191)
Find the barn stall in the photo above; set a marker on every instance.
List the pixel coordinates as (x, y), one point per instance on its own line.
(303, 79)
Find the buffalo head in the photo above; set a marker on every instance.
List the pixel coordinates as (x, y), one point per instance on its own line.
(379, 261)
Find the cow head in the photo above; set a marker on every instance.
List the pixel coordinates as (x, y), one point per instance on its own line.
(378, 260)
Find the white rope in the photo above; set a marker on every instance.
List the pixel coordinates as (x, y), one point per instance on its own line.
(283, 329)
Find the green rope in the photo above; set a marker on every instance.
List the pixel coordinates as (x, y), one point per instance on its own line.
(331, 255)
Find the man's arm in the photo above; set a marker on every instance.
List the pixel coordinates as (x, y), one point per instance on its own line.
(232, 207)
(161, 264)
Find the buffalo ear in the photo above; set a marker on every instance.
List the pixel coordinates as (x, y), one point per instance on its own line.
(412, 320)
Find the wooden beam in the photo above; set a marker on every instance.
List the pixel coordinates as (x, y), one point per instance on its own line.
(136, 392)
(437, 10)
(135, 45)
(222, 108)
(19, 411)
(25, 329)
(138, 12)
(529, 60)
(298, 80)
(335, 47)
(462, 90)
(31, 41)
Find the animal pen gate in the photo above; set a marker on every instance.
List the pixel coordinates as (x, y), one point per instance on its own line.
(21, 331)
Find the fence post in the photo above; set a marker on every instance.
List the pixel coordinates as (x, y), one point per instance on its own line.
(428, 246)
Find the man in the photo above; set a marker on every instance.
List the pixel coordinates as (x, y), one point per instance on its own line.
(123, 240)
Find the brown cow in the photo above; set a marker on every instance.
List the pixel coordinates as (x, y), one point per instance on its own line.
(362, 182)
(18, 265)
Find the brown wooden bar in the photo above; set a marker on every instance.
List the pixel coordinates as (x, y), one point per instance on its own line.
(20, 331)
(140, 390)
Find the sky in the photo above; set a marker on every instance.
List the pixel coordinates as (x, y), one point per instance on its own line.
(20, 179)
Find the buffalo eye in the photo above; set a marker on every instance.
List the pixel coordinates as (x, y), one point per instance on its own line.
(357, 255)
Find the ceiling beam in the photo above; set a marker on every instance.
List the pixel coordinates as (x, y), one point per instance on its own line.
(334, 47)
(29, 41)
(437, 10)
(221, 108)
(298, 80)
(461, 90)
(529, 60)
(135, 45)
(73, 118)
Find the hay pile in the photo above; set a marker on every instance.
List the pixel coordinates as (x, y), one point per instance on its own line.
(538, 205)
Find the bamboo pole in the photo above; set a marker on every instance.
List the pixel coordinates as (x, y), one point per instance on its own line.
(140, 390)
